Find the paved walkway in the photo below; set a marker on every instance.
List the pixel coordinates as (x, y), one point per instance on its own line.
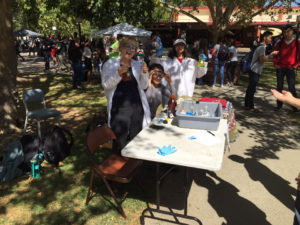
(256, 184)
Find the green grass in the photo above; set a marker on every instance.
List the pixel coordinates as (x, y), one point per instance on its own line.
(268, 77)
(60, 199)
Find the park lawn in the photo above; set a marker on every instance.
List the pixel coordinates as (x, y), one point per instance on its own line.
(60, 199)
(268, 77)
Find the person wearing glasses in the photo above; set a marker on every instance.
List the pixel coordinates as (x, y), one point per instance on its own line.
(156, 92)
(124, 80)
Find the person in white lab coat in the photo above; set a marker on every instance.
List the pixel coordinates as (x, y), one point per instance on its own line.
(183, 69)
(124, 81)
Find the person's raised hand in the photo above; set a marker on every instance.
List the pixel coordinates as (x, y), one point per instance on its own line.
(285, 96)
(122, 69)
(168, 78)
(145, 68)
(151, 77)
(274, 53)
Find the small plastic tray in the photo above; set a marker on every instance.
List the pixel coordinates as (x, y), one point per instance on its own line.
(195, 115)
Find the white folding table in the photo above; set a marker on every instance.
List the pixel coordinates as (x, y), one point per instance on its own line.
(190, 153)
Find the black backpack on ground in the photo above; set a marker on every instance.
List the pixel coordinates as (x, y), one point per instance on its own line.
(55, 145)
(32, 145)
(223, 53)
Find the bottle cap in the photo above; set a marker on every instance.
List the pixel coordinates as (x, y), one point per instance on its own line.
(172, 96)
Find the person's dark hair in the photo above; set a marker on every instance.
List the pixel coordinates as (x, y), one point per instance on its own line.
(156, 65)
(289, 26)
(100, 48)
(154, 34)
(172, 53)
(221, 40)
(266, 34)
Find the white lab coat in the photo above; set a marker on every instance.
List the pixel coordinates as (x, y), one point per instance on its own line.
(111, 78)
(183, 74)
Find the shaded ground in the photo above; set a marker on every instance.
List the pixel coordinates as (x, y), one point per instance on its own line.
(255, 185)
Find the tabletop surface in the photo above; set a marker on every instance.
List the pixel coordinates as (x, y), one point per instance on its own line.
(205, 151)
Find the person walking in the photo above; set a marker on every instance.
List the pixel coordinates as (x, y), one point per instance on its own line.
(159, 47)
(222, 56)
(47, 53)
(286, 62)
(257, 65)
(17, 46)
(60, 52)
(233, 61)
(87, 54)
(31, 46)
(75, 55)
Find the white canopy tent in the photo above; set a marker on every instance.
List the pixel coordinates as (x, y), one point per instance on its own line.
(26, 33)
(125, 29)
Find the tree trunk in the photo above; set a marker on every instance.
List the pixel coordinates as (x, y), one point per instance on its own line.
(8, 72)
(215, 34)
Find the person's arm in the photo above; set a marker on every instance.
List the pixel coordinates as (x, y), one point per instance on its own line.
(214, 50)
(262, 57)
(298, 59)
(144, 78)
(110, 76)
(287, 97)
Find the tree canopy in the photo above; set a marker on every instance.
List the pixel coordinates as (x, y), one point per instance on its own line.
(42, 15)
(227, 14)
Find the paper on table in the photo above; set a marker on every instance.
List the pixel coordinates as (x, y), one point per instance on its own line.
(203, 137)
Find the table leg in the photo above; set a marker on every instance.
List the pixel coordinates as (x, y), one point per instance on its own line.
(171, 213)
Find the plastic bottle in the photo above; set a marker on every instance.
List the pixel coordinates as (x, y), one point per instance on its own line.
(172, 106)
(35, 165)
(202, 58)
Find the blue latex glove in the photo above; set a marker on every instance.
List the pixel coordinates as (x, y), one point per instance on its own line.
(192, 138)
(164, 150)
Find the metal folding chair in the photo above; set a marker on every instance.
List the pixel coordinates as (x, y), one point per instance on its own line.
(115, 168)
(35, 96)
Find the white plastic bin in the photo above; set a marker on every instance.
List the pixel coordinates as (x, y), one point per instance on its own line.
(194, 115)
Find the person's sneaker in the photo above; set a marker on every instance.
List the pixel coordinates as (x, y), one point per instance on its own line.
(213, 86)
(221, 85)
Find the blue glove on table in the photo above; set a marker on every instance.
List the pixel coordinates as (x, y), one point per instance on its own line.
(164, 150)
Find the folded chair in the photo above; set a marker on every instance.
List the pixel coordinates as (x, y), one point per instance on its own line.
(113, 169)
(37, 96)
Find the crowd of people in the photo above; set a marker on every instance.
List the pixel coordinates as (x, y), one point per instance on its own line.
(136, 79)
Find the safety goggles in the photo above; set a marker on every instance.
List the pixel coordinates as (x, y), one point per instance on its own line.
(158, 74)
(129, 46)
